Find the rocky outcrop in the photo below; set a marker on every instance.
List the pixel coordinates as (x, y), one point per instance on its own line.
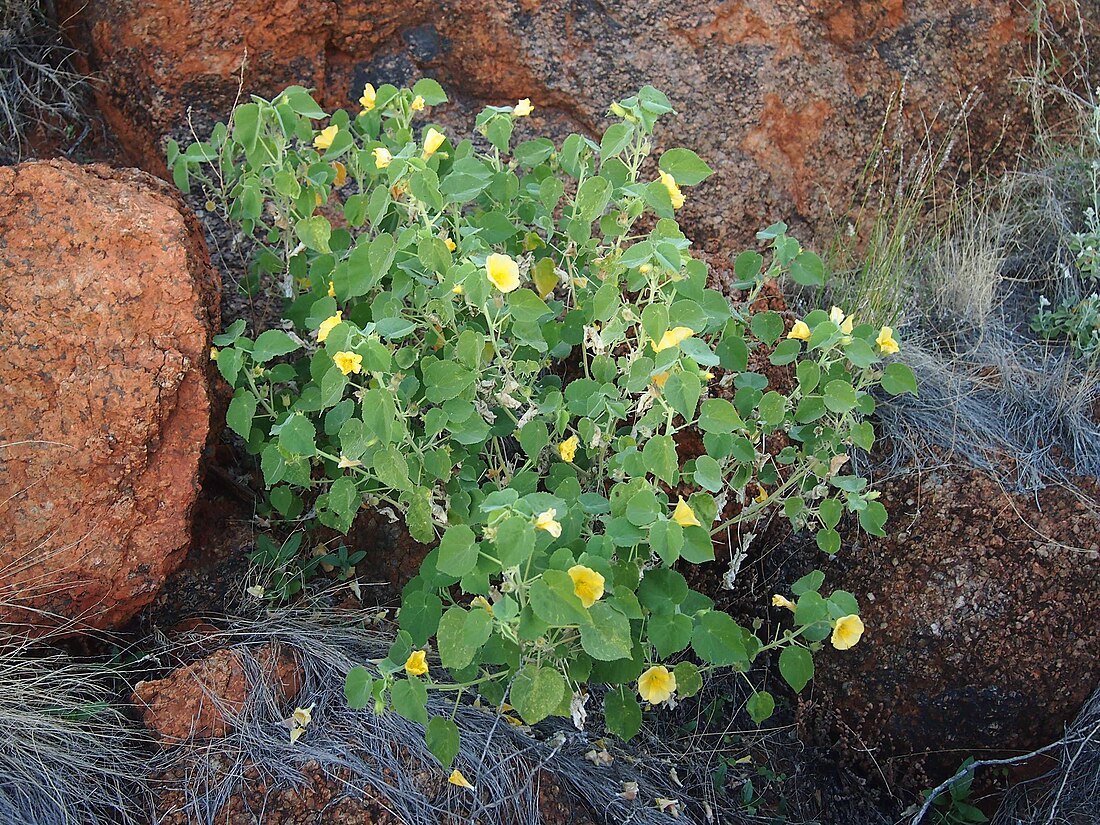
(202, 700)
(107, 306)
(982, 624)
(785, 98)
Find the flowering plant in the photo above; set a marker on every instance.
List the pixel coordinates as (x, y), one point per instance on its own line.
(512, 345)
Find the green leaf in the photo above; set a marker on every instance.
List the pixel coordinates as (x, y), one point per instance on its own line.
(767, 326)
(719, 640)
(660, 458)
(622, 713)
(897, 378)
(410, 699)
(840, 396)
(246, 122)
(461, 634)
(772, 409)
(807, 269)
(458, 551)
(682, 391)
(747, 266)
(443, 740)
(796, 666)
(271, 344)
(688, 679)
(717, 415)
(298, 436)
(592, 198)
(873, 518)
(553, 600)
(670, 634)
(444, 380)
(708, 474)
(761, 706)
(534, 437)
(537, 692)
(686, 166)
(242, 409)
(666, 538)
(430, 90)
(811, 581)
(358, 685)
(314, 232)
(419, 615)
(526, 306)
(531, 153)
(607, 638)
(615, 139)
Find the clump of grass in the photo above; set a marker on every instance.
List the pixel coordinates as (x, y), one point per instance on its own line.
(1069, 792)
(961, 267)
(38, 89)
(357, 749)
(69, 756)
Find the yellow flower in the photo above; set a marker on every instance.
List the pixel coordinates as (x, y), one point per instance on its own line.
(298, 722)
(482, 602)
(800, 331)
(328, 325)
(886, 341)
(417, 663)
(457, 289)
(368, 98)
(568, 449)
(341, 174)
(523, 108)
(331, 289)
(847, 631)
(348, 362)
(382, 157)
(502, 271)
(451, 245)
(432, 141)
(657, 685)
(545, 521)
(708, 376)
(587, 584)
(673, 338)
(783, 601)
(456, 778)
(324, 140)
(660, 379)
(645, 268)
(684, 515)
(845, 322)
(213, 353)
(674, 193)
(418, 103)
(761, 496)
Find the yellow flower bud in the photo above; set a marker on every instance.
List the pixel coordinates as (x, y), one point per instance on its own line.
(417, 663)
(502, 271)
(324, 140)
(684, 515)
(588, 585)
(800, 331)
(368, 98)
(657, 685)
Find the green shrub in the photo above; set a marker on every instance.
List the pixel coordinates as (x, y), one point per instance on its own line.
(501, 343)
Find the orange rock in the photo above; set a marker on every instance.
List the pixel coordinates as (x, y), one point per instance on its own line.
(107, 303)
(202, 700)
(785, 99)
